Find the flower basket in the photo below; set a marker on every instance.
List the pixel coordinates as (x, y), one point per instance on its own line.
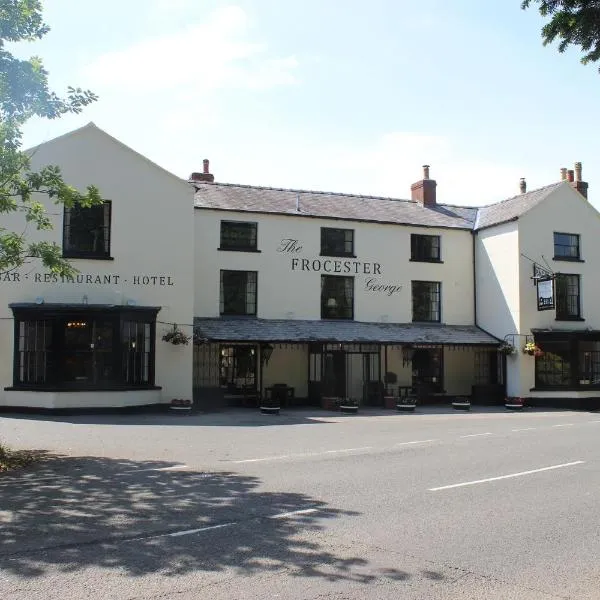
(531, 349)
(506, 349)
(349, 406)
(406, 404)
(176, 337)
(461, 403)
(514, 403)
(181, 405)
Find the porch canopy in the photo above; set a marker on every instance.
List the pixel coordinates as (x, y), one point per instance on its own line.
(338, 331)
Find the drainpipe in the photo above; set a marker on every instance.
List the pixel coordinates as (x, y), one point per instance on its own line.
(473, 234)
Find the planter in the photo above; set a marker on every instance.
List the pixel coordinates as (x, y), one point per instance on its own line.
(390, 402)
(514, 403)
(349, 409)
(329, 402)
(270, 410)
(181, 406)
(406, 406)
(461, 403)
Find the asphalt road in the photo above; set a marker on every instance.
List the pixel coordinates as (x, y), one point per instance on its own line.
(307, 505)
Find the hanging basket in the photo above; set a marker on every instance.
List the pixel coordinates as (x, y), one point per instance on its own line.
(176, 337)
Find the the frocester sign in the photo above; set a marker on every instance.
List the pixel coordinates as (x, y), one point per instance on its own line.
(337, 266)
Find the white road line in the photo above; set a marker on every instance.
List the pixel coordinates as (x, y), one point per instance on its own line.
(191, 531)
(525, 429)
(476, 434)
(305, 511)
(457, 485)
(284, 456)
(415, 442)
(564, 425)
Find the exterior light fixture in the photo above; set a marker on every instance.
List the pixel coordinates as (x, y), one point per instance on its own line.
(266, 350)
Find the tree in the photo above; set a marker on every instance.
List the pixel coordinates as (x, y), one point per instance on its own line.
(575, 22)
(24, 93)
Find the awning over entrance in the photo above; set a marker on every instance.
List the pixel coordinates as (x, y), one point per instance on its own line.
(303, 331)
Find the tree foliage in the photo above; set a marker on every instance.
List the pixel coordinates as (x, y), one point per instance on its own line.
(573, 22)
(24, 93)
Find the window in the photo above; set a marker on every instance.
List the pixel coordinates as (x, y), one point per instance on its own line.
(426, 301)
(236, 235)
(238, 368)
(337, 242)
(553, 367)
(62, 348)
(238, 293)
(425, 248)
(568, 305)
(337, 297)
(589, 363)
(566, 246)
(86, 231)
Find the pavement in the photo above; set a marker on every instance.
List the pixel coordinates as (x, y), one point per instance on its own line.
(438, 504)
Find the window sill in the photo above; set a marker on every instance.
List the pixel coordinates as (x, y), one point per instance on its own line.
(569, 319)
(330, 318)
(240, 315)
(64, 388)
(86, 257)
(425, 322)
(338, 255)
(566, 388)
(427, 260)
(221, 249)
(568, 259)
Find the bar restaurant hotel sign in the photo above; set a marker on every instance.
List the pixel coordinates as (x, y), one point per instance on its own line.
(545, 289)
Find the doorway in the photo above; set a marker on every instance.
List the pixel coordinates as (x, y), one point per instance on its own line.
(427, 371)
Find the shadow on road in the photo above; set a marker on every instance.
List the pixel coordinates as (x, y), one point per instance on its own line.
(71, 514)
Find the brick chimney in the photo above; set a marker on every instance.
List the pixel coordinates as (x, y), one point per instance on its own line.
(577, 183)
(423, 191)
(205, 176)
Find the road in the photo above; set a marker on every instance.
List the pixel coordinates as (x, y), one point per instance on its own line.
(307, 505)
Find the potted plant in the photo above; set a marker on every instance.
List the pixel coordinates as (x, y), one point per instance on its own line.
(270, 404)
(506, 349)
(514, 403)
(461, 403)
(406, 403)
(181, 405)
(176, 337)
(329, 402)
(349, 406)
(532, 349)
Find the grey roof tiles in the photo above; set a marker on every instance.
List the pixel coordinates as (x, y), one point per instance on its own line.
(302, 331)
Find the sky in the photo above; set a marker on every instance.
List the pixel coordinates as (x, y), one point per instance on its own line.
(335, 95)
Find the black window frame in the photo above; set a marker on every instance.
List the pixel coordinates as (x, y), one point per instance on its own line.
(105, 252)
(329, 241)
(343, 310)
(568, 304)
(435, 298)
(250, 292)
(131, 362)
(227, 240)
(574, 242)
(420, 243)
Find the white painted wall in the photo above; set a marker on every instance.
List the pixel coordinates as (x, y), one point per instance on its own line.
(152, 235)
(285, 291)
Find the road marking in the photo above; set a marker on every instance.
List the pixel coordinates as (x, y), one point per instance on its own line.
(284, 456)
(457, 485)
(415, 442)
(285, 515)
(525, 429)
(564, 425)
(476, 434)
(191, 531)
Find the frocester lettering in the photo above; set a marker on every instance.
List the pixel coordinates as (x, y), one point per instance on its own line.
(350, 267)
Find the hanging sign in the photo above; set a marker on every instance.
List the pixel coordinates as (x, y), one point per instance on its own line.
(545, 294)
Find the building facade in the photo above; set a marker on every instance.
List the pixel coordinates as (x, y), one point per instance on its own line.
(312, 296)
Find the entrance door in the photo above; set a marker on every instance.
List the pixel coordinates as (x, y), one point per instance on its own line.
(334, 373)
(427, 371)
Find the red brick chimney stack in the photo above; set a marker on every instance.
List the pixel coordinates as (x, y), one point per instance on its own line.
(570, 176)
(205, 176)
(423, 191)
(577, 183)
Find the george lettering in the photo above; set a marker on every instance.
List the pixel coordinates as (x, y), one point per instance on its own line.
(372, 285)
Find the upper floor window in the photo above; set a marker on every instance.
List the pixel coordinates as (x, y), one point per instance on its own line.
(566, 246)
(337, 297)
(86, 231)
(238, 235)
(425, 248)
(426, 301)
(238, 293)
(568, 302)
(337, 242)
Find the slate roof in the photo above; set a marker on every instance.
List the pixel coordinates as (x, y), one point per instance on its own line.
(328, 205)
(302, 331)
(245, 198)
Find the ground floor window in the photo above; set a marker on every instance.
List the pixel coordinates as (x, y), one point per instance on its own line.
(238, 366)
(568, 360)
(83, 347)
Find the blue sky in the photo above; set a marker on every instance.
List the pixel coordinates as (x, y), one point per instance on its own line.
(335, 95)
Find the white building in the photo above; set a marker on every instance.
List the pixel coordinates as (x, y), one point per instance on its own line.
(311, 295)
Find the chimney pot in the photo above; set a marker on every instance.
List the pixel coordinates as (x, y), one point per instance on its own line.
(571, 175)
(205, 162)
(423, 191)
(522, 185)
(577, 182)
(577, 171)
(563, 174)
(425, 171)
